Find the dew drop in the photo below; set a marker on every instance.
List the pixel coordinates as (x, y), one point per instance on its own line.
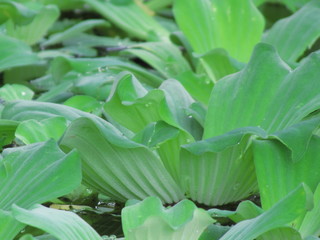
(23, 93)
(102, 69)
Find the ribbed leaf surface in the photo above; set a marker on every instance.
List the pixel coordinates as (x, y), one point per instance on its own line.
(293, 35)
(61, 224)
(235, 25)
(117, 166)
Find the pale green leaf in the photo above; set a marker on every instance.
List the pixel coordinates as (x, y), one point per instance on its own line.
(277, 175)
(61, 224)
(35, 31)
(15, 53)
(266, 93)
(15, 11)
(132, 16)
(293, 35)
(32, 131)
(32, 174)
(236, 26)
(11, 92)
(74, 30)
(182, 221)
(220, 170)
(166, 58)
(116, 166)
(310, 224)
(281, 214)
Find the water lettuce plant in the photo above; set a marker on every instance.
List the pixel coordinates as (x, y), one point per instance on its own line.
(202, 116)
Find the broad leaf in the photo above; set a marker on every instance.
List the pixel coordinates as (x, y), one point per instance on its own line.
(15, 53)
(169, 103)
(266, 93)
(16, 12)
(34, 31)
(32, 131)
(131, 17)
(277, 174)
(116, 166)
(182, 221)
(293, 35)
(166, 58)
(61, 224)
(62, 65)
(34, 174)
(219, 170)
(11, 92)
(222, 25)
(219, 64)
(167, 141)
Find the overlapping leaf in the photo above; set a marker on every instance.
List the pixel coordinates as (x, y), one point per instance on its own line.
(130, 16)
(116, 166)
(266, 93)
(61, 224)
(15, 53)
(182, 221)
(292, 35)
(33, 174)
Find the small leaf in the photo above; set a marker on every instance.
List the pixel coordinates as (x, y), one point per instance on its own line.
(11, 92)
(32, 131)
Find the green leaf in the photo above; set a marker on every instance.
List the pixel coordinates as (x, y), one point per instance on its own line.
(281, 214)
(266, 93)
(214, 232)
(15, 11)
(61, 224)
(26, 178)
(222, 25)
(310, 225)
(62, 65)
(166, 140)
(219, 64)
(182, 221)
(32, 131)
(220, 170)
(168, 103)
(85, 103)
(129, 98)
(277, 174)
(32, 110)
(15, 53)
(116, 166)
(34, 174)
(165, 57)
(131, 17)
(245, 210)
(293, 35)
(35, 31)
(11, 92)
(9, 226)
(74, 30)
(7, 130)
(199, 86)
